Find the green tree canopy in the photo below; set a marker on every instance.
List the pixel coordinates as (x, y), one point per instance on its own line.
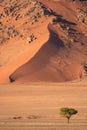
(68, 112)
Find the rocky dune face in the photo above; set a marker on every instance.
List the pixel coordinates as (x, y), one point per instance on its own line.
(17, 20)
(27, 11)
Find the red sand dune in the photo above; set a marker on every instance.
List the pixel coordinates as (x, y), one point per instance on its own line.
(46, 65)
(48, 59)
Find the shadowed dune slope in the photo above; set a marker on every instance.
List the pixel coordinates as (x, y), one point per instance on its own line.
(48, 65)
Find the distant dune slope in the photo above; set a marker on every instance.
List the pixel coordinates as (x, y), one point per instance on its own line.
(43, 41)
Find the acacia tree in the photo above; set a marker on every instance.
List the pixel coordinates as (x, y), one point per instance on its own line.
(68, 112)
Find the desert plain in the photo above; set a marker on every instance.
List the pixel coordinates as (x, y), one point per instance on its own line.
(37, 106)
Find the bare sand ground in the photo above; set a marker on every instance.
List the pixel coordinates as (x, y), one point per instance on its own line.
(42, 101)
(56, 125)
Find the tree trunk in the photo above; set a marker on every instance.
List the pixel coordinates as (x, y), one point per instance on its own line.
(68, 119)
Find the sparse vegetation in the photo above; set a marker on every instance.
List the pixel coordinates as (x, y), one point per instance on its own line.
(68, 112)
(17, 117)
